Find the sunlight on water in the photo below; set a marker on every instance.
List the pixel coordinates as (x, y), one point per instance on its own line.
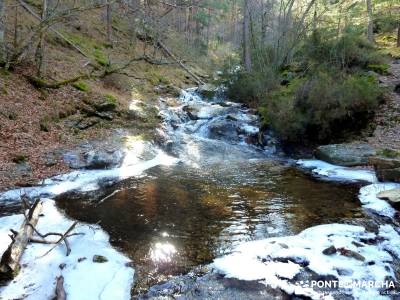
(162, 252)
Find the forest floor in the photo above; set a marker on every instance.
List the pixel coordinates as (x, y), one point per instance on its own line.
(386, 134)
(38, 125)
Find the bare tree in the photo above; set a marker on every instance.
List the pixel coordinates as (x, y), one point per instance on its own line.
(246, 36)
(109, 21)
(2, 29)
(370, 29)
(39, 55)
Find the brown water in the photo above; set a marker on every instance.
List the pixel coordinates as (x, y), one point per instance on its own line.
(178, 217)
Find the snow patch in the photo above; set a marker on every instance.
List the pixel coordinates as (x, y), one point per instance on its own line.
(83, 278)
(86, 180)
(277, 261)
(333, 172)
(369, 199)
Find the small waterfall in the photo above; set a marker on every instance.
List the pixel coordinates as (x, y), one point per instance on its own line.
(201, 131)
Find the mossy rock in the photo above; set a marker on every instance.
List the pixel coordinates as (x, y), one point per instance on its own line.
(99, 259)
(389, 153)
(20, 158)
(382, 69)
(81, 86)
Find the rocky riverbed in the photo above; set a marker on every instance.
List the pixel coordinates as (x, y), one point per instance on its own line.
(212, 191)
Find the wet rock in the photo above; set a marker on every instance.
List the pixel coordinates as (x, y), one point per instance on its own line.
(99, 259)
(196, 111)
(345, 154)
(86, 123)
(387, 169)
(344, 272)
(392, 196)
(135, 115)
(212, 286)
(223, 129)
(330, 250)
(351, 253)
(102, 159)
(93, 159)
(168, 89)
(207, 90)
(104, 115)
(50, 159)
(105, 106)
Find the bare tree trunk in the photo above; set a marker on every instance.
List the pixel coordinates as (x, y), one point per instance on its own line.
(109, 21)
(370, 29)
(132, 21)
(398, 34)
(246, 37)
(39, 55)
(263, 23)
(2, 29)
(208, 27)
(15, 43)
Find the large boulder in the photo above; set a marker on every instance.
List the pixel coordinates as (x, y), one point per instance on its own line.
(207, 90)
(391, 196)
(345, 154)
(387, 169)
(93, 159)
(223, 129)
(103, 159)
(198, 111)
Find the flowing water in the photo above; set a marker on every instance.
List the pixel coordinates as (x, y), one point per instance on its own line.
(229, 187)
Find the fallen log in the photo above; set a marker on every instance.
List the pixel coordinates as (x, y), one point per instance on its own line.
(60, 291)
(9, 263)
(180, 63)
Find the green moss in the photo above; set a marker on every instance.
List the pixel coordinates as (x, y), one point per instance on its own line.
(382, 69)
(99, 259)
(111, 99)
(81, 86)
(20, 158)
(389, 153)
(100, 57)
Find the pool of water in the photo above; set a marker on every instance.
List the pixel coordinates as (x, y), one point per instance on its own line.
(178, 217)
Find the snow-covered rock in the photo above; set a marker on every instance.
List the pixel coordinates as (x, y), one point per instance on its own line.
(83, 278)
(297, 264)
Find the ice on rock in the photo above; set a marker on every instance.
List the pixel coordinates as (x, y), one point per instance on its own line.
(338, 173)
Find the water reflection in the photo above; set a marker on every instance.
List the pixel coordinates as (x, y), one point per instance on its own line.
(179, 217)
(162, 253)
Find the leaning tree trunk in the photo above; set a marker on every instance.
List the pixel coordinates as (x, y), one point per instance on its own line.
(246, 36)
(370, 29)
(109, 21)
(2, 29)
(39, 55)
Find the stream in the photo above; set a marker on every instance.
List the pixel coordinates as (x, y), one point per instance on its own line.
(231, 185)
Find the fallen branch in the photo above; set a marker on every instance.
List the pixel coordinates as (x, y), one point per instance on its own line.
(9, 264)
(169, 53)
(63, 238)
(60, 291)
(41, 83)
